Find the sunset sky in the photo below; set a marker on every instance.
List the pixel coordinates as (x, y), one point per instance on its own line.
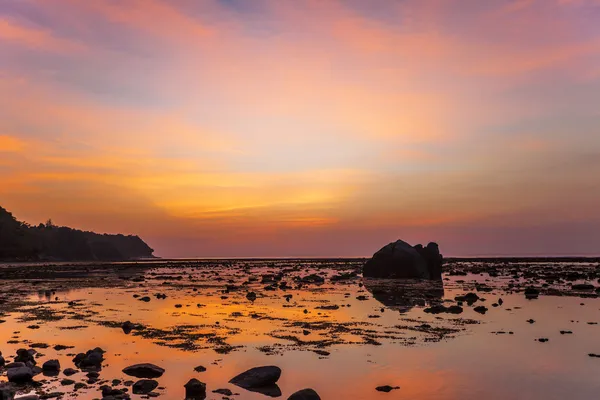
(306, 128)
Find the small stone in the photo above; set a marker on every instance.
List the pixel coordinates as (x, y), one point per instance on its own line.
(386, 388)
(305, 394)
(224, 392)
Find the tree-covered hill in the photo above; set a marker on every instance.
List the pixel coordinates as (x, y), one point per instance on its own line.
(20, 241)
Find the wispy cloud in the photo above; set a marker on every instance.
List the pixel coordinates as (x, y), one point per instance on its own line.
(330, 121)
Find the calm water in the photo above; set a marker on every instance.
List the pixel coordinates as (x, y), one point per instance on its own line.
(341, 353)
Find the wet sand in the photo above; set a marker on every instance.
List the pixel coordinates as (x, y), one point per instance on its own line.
(325, 326)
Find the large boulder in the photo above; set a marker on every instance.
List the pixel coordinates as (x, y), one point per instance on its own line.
(400, 260)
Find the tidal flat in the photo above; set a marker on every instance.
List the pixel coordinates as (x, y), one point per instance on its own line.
(504, 329)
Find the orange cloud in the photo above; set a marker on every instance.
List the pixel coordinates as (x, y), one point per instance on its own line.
(36, 38)
(10, 144)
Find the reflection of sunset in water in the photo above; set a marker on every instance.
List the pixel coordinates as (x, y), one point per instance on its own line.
(346, 353)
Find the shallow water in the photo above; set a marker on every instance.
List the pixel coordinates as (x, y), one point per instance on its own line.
(347, 352)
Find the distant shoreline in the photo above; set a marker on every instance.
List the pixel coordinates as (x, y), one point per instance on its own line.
(448, 260)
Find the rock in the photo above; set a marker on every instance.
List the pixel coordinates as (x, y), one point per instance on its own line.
(108, 391)
(14, 365)
(440, 308)
(386, 388)
(257, 377)
(583, 286)
(67, 382)
(144, 386)
(200, 368)
(127, 327)
(2, 361)
(400, 260)
(224, 392)
(20, 374)
(51, 366)
(195, 389)
(69, 371)
(251, 296)
(328, 307)
(468, 298)
(305, 394)
(91, 360)
(6, 392)
(532, 293)
(25, 356)
(480, 309)
(144, 371)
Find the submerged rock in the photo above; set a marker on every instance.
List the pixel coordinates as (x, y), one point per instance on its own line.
(305, 394)
(144, 371)
(440, 308)
(400, 260)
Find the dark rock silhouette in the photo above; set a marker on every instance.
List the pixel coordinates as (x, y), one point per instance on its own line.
(195, 389)
(260, 379)
(305, 394)
(144, 386)
(144, 371)
(400, 260)
(257, 377)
